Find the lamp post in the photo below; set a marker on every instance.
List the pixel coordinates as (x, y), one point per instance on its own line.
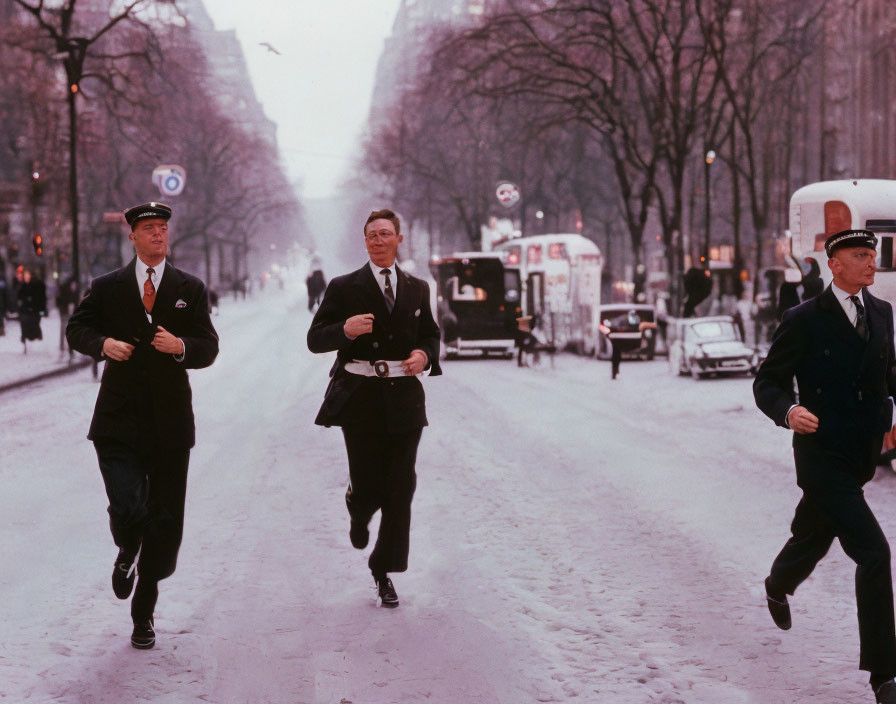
(73, 52)
(707, 163)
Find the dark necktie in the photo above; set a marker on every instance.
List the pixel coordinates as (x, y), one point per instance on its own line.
(861, 326)
(388, 293)
(149, 291)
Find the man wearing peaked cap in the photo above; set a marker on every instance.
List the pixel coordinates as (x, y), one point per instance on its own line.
(839, 346)
(150, 322)
(865, 239)
(147, 210)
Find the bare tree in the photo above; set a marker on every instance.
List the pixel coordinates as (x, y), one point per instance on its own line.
(759, 49)
(59, 30)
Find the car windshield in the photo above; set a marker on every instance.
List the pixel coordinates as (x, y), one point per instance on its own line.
(628, 318)
(713, 330)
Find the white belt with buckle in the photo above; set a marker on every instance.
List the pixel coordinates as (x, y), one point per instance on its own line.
(381, 368)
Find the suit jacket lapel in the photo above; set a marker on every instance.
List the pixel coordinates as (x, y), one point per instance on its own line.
(374, 294)
(166, 294)
(402, 291)
(877, 326)
(836, 318)
(130, 295)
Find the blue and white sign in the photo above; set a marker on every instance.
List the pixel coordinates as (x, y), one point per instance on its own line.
(170, 179)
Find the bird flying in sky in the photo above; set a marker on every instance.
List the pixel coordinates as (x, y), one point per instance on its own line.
(271, 49)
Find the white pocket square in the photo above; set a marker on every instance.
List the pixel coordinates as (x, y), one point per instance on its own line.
(181, 303)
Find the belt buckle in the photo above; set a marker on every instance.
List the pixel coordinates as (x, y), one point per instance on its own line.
(381, 369)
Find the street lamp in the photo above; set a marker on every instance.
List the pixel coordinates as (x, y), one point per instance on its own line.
(73, 52)
(708, 160)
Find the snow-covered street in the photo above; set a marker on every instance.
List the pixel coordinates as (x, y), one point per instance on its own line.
(575, 539)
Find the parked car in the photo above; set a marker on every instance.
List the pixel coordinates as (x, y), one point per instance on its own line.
(631, 325)
(709, 345)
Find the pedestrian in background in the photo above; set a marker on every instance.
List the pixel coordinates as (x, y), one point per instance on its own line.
(812, 282)
(4, 302)
(316, 284)
(66, 300)
(379, 321)
(32, 304)
(839, 346)
(150, 322)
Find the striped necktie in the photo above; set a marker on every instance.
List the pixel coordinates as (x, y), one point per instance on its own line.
(861, 325)
(388, 293)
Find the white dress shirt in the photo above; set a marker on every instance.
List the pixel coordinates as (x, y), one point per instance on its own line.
(848, 306)
(140, 269)
(158, 271)
(381, 279)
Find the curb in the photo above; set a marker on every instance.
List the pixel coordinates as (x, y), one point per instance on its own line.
(67, 369)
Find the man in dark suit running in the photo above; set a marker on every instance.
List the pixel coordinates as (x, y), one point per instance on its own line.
(150, 322)
(379, 321)
(839, 346)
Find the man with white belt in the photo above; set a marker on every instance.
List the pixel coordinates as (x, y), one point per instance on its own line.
(379, 321)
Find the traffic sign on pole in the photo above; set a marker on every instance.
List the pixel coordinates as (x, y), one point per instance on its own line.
(170, 179)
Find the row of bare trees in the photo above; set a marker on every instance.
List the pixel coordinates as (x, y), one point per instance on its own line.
(94, 96)
(602, 111)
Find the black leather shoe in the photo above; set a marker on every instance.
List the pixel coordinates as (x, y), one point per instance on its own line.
(886, 693)
(143, 637)
(779, 608)
(386, 592)
(123, 574)
(359, 535)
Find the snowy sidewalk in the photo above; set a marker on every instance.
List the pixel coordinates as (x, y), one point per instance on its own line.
(43, 357)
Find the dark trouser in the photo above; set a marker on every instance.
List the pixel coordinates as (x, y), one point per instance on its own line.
(381, 470)
(616, 359)
(146, 490)
(841, 512)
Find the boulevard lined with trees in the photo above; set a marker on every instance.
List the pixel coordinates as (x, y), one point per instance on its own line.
(94, 95)
(603, 113)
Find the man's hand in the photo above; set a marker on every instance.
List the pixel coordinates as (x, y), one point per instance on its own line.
(117, 350)
(358, 325)
(414, 364)
(801, 421)
(164, 341)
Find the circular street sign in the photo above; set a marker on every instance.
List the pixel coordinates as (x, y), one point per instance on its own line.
(170, 179)
(508, 194)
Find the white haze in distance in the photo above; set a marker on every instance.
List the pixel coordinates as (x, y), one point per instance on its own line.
(318, 89)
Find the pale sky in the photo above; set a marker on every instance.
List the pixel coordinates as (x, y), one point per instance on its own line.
(318, 92)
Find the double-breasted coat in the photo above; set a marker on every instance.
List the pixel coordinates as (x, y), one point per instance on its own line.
(151, 384)
(843, 380)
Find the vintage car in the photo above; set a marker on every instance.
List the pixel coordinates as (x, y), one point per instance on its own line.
(630, 325)
(478, 303)
(709, 345)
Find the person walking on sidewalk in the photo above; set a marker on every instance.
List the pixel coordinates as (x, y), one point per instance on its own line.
(379, 321)
(839, 346)
(150, 322)
(32, 304)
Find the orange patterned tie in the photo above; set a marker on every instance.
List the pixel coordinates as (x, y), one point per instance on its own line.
(149, 291)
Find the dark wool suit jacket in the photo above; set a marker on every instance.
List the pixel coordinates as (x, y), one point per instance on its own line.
(845, 381)
(151, 384)
(396, 404)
